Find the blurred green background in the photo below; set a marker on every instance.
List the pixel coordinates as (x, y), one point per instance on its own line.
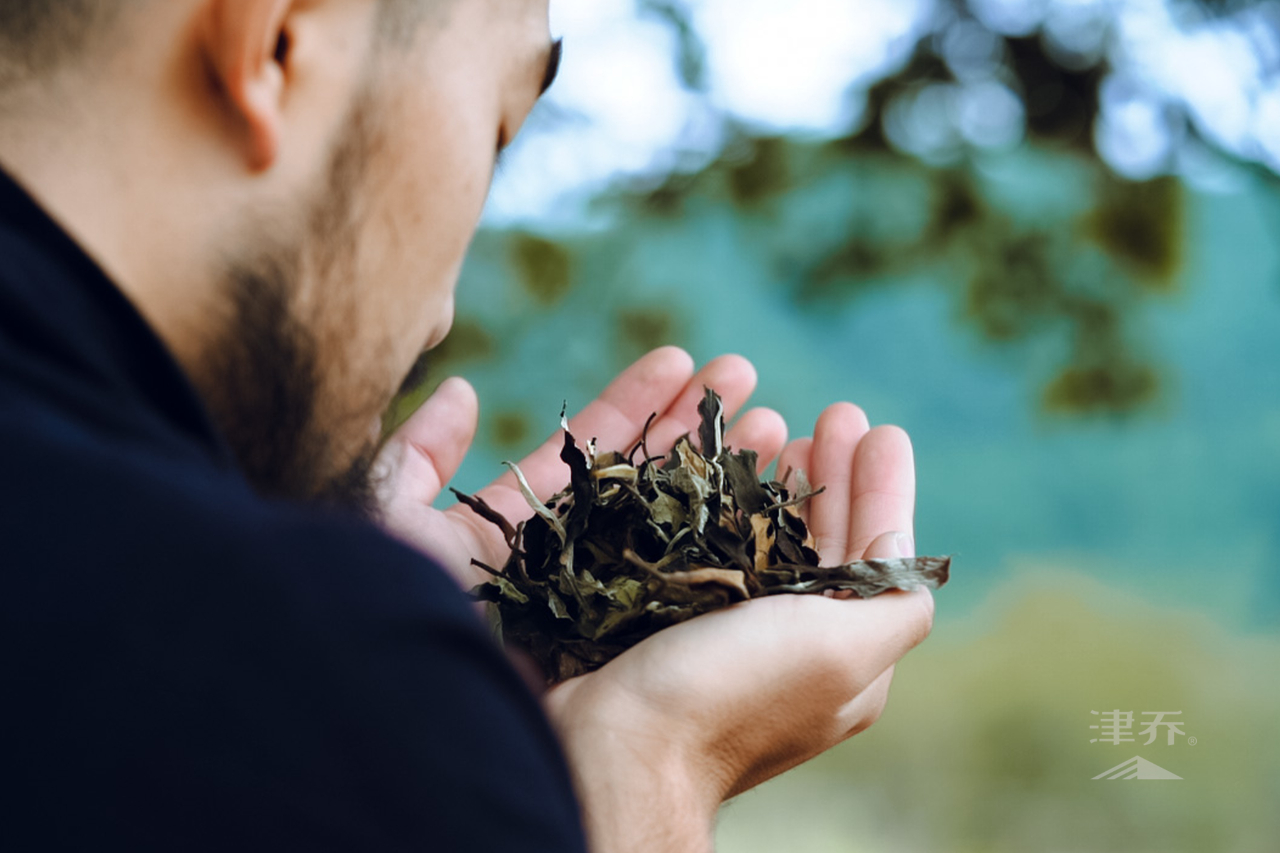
(1041, 235)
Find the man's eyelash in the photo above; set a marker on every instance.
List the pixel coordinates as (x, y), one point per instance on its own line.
(499, 155)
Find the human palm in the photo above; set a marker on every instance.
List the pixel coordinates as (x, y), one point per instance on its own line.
(738, 695)
(424, 454)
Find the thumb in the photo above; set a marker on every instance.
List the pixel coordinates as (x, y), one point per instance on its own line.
(885, 627)
(891, 546)
(894, 546)
(426, 451)
(887, 546)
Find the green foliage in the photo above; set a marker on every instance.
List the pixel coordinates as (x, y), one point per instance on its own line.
(467, 341)
(1140, 224)
(511, 431)
(760, 172)
(544, 268)
(644, 328)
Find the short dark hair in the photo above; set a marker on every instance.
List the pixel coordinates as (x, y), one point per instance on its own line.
(38, 36)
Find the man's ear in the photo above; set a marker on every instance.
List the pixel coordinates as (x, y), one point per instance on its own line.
(246, 45)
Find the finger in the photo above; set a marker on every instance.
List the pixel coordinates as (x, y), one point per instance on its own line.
(891, 546)
(835, 439)
(883, 629)
(865, 709)
(888, 546)
(426, 451)
(616, 418)
(883, 489)
(761, 430)
(795, 458)
(848, 647)
(730, 376)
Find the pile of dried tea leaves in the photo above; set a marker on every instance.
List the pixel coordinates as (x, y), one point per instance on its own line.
(632, 547)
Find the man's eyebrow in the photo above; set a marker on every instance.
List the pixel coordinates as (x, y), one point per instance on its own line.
(554, 54)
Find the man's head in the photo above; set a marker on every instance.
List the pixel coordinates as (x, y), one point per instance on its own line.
(286, 188)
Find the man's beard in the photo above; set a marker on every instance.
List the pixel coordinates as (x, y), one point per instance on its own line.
(262, 377)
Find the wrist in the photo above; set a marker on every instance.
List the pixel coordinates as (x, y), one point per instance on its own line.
(637, 787)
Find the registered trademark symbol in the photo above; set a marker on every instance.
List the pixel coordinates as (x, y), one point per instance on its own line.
(1192, 741)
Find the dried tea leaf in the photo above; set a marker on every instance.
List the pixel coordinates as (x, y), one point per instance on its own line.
(631, 547)
(557, 606)
(730, 579)
(509, 592)
(540, 508)
(744, 484)
(626, 592)
(711, 429)
(665, 510)
(763, 539)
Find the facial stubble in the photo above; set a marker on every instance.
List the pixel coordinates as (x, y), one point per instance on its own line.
(298, 422)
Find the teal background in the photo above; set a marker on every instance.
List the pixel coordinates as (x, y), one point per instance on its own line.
(1088, 367)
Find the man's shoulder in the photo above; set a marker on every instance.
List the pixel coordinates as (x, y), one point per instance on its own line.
(85, 507)
(196, 668)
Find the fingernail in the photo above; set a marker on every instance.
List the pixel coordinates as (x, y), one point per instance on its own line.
(906, 545)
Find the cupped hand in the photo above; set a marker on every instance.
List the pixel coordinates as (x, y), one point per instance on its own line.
(421, 457)
(732, 698)
(714, 706)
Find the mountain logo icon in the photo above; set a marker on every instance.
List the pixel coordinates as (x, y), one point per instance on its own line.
(1137, 768)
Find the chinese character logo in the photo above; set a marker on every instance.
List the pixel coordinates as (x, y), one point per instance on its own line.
(1116, 727)
(1113, 726)
(1174, 726)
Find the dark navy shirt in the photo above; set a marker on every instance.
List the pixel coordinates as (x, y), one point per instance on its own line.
(186, 666)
